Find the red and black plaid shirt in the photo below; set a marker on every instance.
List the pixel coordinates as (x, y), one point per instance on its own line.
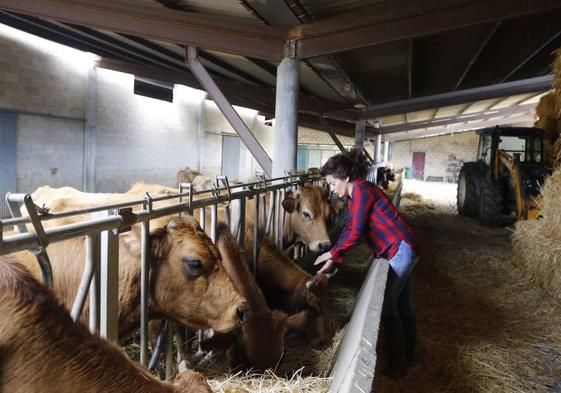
(373, 217)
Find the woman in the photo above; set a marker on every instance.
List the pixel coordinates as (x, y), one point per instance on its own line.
(373, 218)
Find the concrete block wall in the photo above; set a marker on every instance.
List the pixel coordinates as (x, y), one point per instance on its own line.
(141, 138)
(134, 137)
(440, 152)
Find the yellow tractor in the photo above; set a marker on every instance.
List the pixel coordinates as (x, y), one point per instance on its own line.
(506, 177)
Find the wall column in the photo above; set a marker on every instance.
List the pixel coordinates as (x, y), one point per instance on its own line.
(286, 117)
(90, 132)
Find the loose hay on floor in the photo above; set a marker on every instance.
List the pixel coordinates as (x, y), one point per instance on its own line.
(268, 383)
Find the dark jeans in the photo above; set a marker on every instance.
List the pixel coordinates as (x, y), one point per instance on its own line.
(400, 326)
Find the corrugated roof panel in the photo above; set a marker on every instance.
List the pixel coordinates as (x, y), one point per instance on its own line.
(321, 9)
(420, 115)
(218, 7)
(245, 65)
(512, 100)
(452, 110)
(483, 105)
(392, 120)
(310, 80)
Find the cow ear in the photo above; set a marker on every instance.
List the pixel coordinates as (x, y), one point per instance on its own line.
(290, 204)
(337, 205)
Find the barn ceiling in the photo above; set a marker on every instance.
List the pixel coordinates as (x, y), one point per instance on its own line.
(400, 64)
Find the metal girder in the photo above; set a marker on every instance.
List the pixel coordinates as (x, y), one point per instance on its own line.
(514, 119)
(477, 53)
(228, 111)
(331, 133)
(211, 32)
(396, 21)
(462, 118)
(542, 83)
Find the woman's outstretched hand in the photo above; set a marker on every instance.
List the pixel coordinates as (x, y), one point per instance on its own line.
(326, 259)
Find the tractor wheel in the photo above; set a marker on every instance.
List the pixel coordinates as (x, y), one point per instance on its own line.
(491, 204)
(466, 200)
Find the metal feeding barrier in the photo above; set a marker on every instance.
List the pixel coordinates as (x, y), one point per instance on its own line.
(101, 232)
(354, 366)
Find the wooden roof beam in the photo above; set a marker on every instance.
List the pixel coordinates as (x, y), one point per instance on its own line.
(229, 35)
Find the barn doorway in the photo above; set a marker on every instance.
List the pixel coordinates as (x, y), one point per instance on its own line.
(231, 157)
(419, 165)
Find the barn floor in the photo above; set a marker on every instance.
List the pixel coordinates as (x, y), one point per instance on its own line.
(481, 329)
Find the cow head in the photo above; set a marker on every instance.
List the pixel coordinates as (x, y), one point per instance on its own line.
(307, 212)
(263, 333)
(312, 319)
(187, 280)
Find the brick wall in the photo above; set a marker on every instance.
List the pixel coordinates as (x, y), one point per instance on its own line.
(441, 152)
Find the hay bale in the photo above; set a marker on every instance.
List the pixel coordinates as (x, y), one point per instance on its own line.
(537, 243)
(186, 175)
(547, 112)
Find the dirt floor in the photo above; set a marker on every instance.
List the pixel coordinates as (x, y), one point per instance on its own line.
(481, 329)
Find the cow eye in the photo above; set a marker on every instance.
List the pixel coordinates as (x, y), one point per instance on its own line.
(194, 267)
(306, 216)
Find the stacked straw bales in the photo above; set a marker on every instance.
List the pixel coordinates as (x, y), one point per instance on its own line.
(537, 243)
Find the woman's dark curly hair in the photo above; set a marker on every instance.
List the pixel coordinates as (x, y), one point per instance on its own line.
(351, 164)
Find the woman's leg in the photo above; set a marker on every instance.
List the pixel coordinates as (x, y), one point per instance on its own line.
(405, 310)
(396, 337)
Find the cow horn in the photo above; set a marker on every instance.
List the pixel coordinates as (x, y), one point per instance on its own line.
(312, 283)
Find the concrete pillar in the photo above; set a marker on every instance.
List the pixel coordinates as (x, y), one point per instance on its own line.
(360, 128)
(378, 152)
(90, 132)
(386, 150)
(286, 117)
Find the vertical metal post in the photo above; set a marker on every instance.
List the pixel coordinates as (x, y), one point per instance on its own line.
(213, 222)
(360, 129)
(241, 238)
(386, 151)
(277, 217)
(281, 218)
(169, 351)
(145, 283)
(255, 235)
(93, 255)
(263, 197)
(378, 156)
(269, 231)
(202, 217)
(109, 315)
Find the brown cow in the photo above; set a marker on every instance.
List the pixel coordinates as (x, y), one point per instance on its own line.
(306, 220)
(188, 283)
(288, 287)
(282, 282)
(307, 212)
(262, 337)
(43, 350)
